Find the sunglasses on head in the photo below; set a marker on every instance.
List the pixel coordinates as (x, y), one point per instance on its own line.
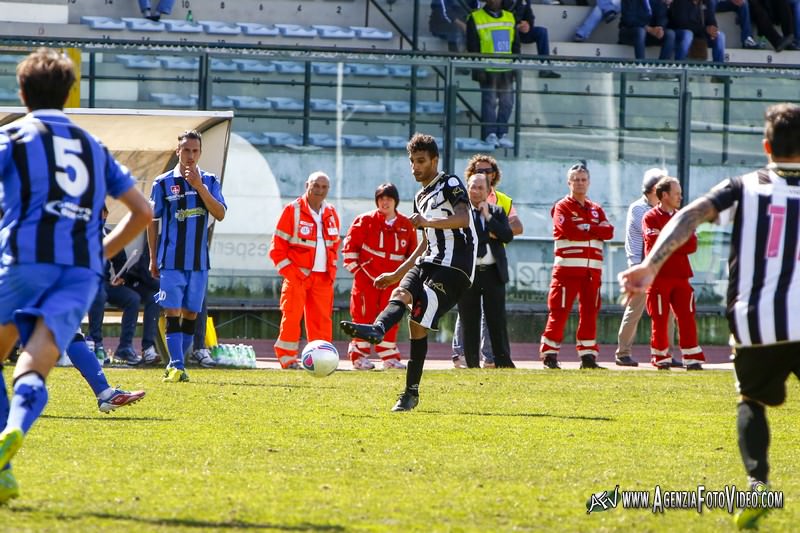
(485, 170)
(577, 167)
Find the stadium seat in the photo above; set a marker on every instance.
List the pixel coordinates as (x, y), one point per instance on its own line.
(179, 63)
(132, 61)
(434, 108)
(221, 102)
(404, 71)
(404, 107)
(218, 27)
(322, 139)
(182, 26)
(258, 30)
(140, 24)
(254, 138)
(329, 69)
(323, 104)
(364, 106)
(9, 94)
(469, 144)
(375, 34)
(103, 23)
(334, 32)
(223, 65)
(250, 102)
(289, 67)
(174, 100)
(362, 141)
(282, 103)
(254, 65)
(295, 30)
(284, 139)
(393, 142)
(359, 69)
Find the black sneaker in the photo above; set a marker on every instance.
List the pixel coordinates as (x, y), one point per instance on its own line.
(368, 332)
(550, 361)
(664, 367)
(694, 366)
(406, 402)
(675, 364)
(625, 360)
(588, 361)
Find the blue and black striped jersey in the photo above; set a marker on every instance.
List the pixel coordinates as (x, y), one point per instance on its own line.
(55, 178)
(183, 239)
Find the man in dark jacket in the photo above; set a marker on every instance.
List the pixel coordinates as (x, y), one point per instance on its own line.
(644, 23)
(491, 275)
(448, 21)
(693, 19)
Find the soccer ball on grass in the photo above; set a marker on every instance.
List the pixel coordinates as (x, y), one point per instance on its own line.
(320, 358)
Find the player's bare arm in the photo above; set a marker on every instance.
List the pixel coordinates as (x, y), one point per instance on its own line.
(152, 246)
(459, 219)
(677, 231)
(390, 278)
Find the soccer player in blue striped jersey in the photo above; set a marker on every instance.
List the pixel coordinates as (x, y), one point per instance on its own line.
(183, 199)
(55, 177)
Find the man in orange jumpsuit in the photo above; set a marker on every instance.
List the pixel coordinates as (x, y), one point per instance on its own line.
(671, 286)
(579, 229)
(304, 248)
(377, 242)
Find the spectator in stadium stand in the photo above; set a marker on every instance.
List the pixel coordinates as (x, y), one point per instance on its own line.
(671, 288)
(768, 13)
(643, 23)
(742, 10)
(487, 294)
(304, 249)
(492, 30)
(448, 21)
(55, 178)
(185, 199)
(763, 283)
(579, 228)
(530, 33)
(605, 10)
(377, 242)
(634, 250)
(696, 19)
(164, 7)
(486, 165)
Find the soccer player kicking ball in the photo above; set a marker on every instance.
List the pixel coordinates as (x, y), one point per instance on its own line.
(763, 284)
(55, 177)
(434, 277)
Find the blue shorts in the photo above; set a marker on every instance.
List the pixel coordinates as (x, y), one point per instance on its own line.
(61, 295)
(183, 289)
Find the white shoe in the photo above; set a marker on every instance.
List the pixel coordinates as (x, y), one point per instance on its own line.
(389, 364)
(492, 139)
(150, 356)
(203, 358)
(362, 363)
(459, 361)
(505, 142)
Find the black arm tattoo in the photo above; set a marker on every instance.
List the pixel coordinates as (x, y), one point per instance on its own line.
(680, 229)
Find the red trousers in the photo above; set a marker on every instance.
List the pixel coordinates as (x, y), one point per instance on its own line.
(312, 299)
(366, 303)
(675, 293)
(563, 290)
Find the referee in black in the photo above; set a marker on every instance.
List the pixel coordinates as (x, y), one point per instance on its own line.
(763, 286)
(437, 273)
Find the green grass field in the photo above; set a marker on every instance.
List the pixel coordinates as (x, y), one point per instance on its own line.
(484, 451)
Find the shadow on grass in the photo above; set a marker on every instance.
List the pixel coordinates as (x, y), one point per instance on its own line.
(111, 418)
(273, 385)
(530, 415)
(187, 522)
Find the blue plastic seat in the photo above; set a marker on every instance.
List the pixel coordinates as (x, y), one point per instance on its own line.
(103, 23)
(329, 69)
(362, 141)
(222, 65)
(221, 102)
(322, 139)
(140, 24)
(9, 94)
(182, 26)
(143, 62)
(254, 65)
(364, 106)
(259, 30)
(282, 103)
(360, 69)
(404, 71)
(323, 104)
(179, 63)
(289, 67)
(434, 108)
(397, 106)
(250, 102)
(326, 31)
(174, 100)
(254, 138)
(375, 34)
(295, 30)
(468, 144)
(393, 142)
(218, 27)
(284, 139)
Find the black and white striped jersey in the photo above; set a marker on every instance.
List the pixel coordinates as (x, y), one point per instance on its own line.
(454, 248)
(764, 274)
